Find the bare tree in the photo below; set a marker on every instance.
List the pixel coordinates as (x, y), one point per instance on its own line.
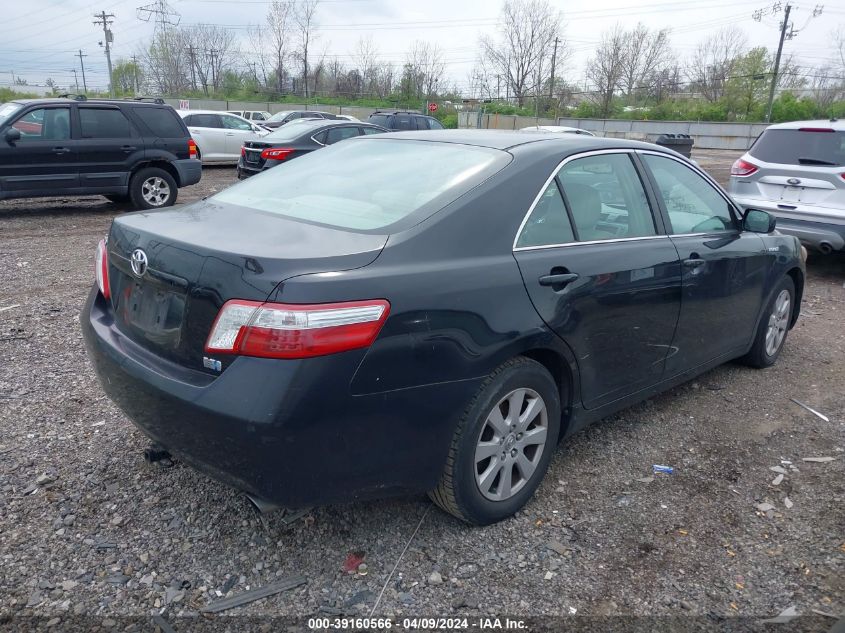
(646, 53)
(165, 61)
(278, 30)
(424, 68)
(304, 14)
(714, 59)
(607, 67)
(527, 33)
(212, 50)
(838, 37)
(366, 59)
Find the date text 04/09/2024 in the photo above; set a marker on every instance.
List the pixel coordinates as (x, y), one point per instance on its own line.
(416, 624)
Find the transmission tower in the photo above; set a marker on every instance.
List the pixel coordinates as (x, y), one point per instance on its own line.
(160, 12)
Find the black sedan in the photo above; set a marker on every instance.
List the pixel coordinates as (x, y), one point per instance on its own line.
(297, 139)
(429, 311)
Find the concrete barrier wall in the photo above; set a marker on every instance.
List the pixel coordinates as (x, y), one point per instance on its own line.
(707, 135)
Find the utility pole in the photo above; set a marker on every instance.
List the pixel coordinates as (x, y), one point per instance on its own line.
(213, 52)
(552, 82)
(135, 74)
(75, 79)
(82, 64)
(103, 19)
(192, 55)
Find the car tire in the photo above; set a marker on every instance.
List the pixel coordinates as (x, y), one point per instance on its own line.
(152, 188)
(773, 328)
(118, 199)
(471, 481)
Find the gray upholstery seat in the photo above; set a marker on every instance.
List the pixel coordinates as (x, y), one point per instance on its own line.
(585, 203)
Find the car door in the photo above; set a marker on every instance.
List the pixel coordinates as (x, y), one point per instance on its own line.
(723, 267)
(602, 274)
(209, 135)
(108, 147)
(44, 159)
(237, 131)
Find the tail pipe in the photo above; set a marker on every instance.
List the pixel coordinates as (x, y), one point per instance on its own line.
(261, 506)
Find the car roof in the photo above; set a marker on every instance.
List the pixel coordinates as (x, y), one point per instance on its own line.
(315, 124)
(400, 112)
(507, 139)
(828, 124)
(66, 100)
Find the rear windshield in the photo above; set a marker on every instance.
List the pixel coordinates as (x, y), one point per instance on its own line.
(368, 184)
(293, 130)
(378, 119)
(800, 147)
(7, 110)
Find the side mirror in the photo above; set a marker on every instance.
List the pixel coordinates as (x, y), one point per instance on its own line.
(758, 221)
(12, 135)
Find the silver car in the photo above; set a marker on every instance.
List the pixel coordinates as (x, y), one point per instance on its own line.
(796, 172)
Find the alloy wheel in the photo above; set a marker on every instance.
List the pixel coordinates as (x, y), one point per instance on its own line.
(778, 322)
(155, 191)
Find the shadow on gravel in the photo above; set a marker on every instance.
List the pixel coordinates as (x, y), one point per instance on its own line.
(63, 206)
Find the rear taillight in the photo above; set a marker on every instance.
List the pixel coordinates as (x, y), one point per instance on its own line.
(742, 168)
(101, 268)
(277, 330)
(243, 151)
(275, 153)
(192, 148)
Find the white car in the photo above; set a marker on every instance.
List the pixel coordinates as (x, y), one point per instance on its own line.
(219, 135)
(559, 129)
(256, 116)
(347, 117)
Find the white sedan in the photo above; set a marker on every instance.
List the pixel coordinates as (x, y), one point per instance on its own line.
(559, 129)
(219, 135)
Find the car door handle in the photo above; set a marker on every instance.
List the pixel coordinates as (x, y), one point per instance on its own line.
(230, 133)
(128, 148)
(694, 262)
(61, 150)
(558, 279)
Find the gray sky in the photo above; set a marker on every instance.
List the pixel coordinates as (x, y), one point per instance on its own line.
(41, 37)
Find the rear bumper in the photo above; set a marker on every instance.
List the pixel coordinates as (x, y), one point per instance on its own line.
(289, 432)
(810, 225)
(189, 170)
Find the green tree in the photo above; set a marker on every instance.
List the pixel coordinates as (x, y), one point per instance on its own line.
(747, 87)
(126, 76)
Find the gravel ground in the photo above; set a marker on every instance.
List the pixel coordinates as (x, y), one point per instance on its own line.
(87, 527)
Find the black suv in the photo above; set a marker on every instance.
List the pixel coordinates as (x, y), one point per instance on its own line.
(403, 120)
(136, 151)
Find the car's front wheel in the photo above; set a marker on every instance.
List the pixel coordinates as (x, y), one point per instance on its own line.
(152, 188)
(774, 326)
(502, 445)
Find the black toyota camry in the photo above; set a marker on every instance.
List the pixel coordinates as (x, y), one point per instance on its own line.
(429, 311)
(296, 139)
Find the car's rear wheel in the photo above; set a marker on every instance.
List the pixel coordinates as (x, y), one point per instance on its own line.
(502, 445)
(774, 326)
(152, 188)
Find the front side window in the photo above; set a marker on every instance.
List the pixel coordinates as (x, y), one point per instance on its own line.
(372, 130)
(368, 184)
(548, 223)
(336, 134)
(435, 124)
(44, 124)
(692, 203)
(103, 123)
(606, 198)
(232, 123)
(422, 123)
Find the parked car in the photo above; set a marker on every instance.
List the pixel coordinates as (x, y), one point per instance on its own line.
(256, 116)
(403, 120)
(557, 129)
(429, 311)
(346, 117)
(125, 150)
(281, 118)
(219, 135)
(295, 140)
(794, 171)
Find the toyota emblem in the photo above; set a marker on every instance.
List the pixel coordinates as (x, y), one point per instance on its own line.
(794, 181)
(139, 262)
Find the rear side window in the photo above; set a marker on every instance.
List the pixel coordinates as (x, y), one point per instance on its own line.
(336, 134)
(378, 119)
(103, 123)
(606, 198)
(368, 185)
(403, 122)
(435, 124)
(548, 223)
(206, 120)
(371, 130)
(809, 146)
(162, 122)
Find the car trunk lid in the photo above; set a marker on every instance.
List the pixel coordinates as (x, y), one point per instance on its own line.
(199, 256)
